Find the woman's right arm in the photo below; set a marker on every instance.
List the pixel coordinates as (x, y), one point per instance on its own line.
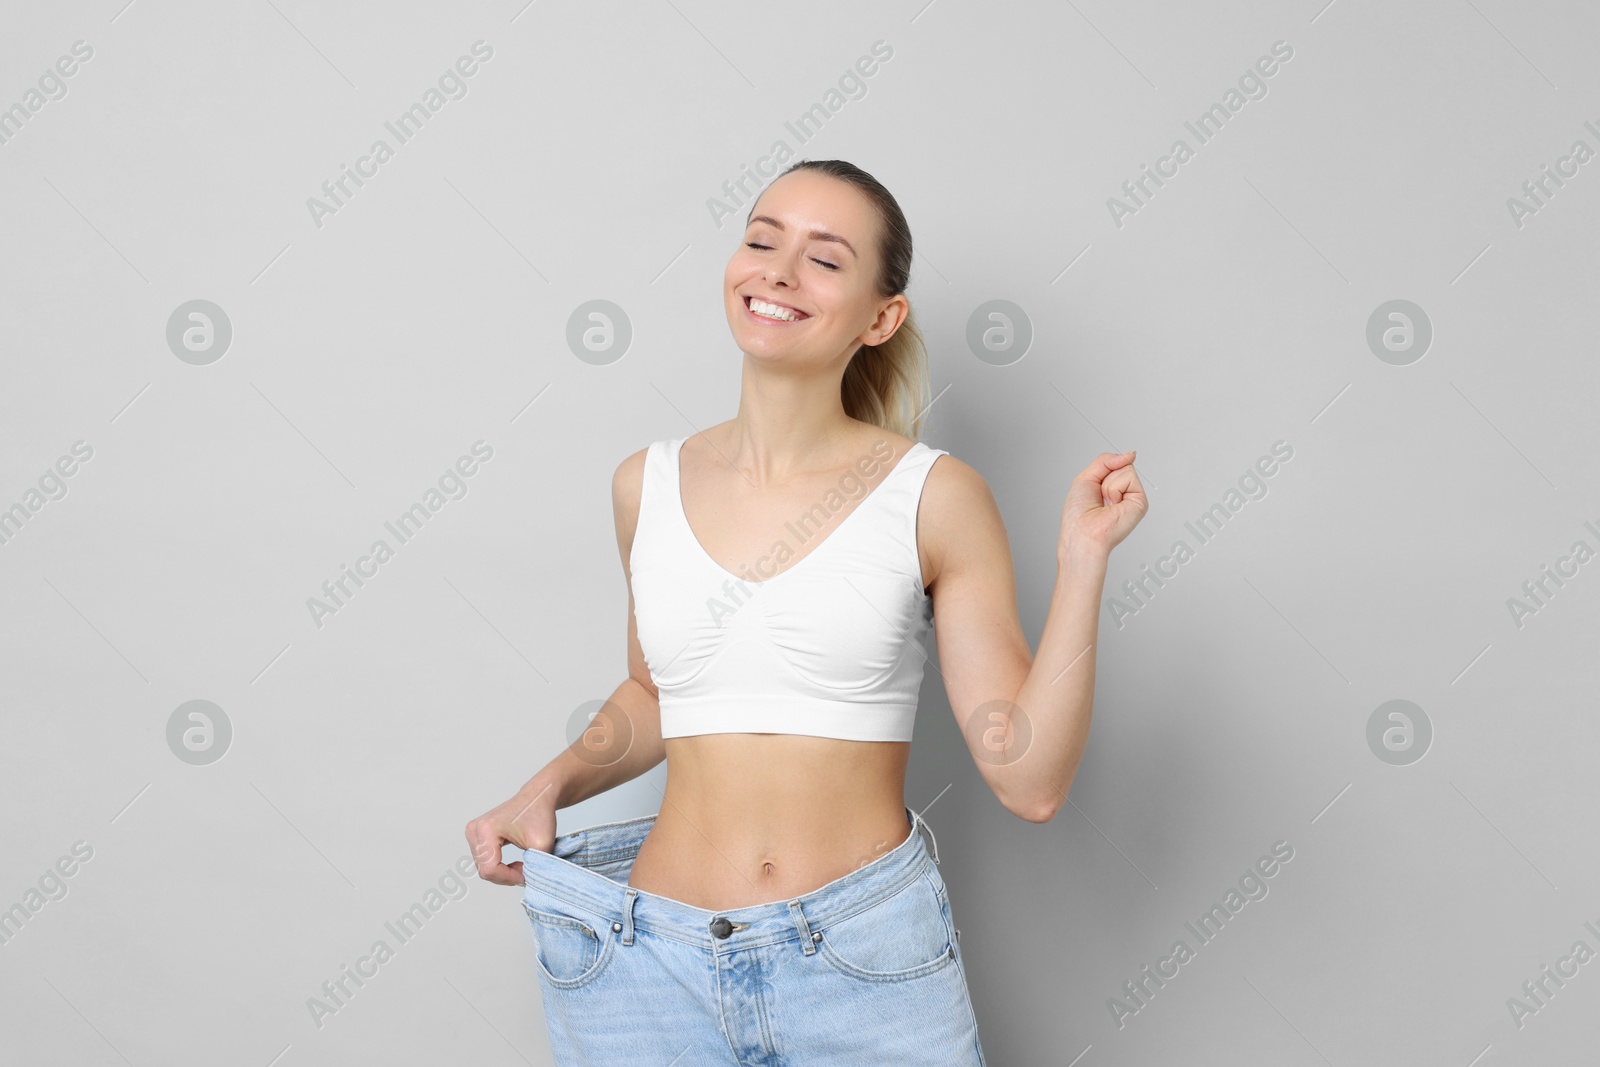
(608, 753)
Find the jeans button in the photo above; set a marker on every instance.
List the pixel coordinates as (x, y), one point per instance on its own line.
(721, 927)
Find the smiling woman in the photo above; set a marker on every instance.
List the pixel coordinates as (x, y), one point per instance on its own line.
(783, 906)
(884, 369)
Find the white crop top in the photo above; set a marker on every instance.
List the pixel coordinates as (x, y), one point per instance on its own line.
(831, 645)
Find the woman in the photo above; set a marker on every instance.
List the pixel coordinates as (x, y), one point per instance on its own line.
(783, 568)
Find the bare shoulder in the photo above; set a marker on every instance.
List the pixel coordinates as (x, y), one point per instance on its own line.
(627, 485)
(954, 494)
(958, 515)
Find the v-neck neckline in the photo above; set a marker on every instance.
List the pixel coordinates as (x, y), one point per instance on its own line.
(683, 516)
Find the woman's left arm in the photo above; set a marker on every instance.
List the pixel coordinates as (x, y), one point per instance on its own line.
(1025, 717)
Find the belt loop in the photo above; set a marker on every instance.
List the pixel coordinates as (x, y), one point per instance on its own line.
(916, 819)
(630, 897)
(808, 940)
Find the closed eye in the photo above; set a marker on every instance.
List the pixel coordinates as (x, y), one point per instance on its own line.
(814, 259)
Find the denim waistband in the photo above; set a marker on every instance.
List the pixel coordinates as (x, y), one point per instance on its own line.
(580, 865)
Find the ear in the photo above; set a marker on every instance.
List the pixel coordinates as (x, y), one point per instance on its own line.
(892, 313)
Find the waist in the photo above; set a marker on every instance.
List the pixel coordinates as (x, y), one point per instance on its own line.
(747, 818)
(733, 862)
(589, 869)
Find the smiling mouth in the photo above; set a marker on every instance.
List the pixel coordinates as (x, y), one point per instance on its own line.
(771, 311)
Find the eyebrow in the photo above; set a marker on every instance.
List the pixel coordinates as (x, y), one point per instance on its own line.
(816, 235)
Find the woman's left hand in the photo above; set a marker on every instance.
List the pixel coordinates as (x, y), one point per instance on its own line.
(1104, 503)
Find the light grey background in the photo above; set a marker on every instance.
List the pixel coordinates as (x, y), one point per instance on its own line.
(431, 311)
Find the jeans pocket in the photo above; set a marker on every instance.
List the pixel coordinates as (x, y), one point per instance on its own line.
(901, 937)
(568, 951)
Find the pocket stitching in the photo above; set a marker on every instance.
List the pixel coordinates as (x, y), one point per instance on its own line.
(918, 971)
(606, 945)
(853, 971)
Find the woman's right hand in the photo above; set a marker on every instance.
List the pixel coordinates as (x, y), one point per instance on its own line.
(527, 820)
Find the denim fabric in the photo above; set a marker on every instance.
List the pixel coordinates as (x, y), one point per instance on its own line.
(866, 969)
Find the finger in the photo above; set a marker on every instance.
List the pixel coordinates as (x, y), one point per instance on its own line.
(505, 874)
(1134, 485)
(1118, 484)
(486, 844)
(1105, 463)
(514, 874)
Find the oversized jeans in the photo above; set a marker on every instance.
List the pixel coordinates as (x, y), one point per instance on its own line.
(864, 970)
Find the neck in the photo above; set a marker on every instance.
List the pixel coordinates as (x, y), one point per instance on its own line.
(785, 424)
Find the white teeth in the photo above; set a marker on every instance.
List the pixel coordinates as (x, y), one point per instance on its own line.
(772, 311)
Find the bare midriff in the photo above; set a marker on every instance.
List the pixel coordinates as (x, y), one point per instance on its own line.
(755, 818)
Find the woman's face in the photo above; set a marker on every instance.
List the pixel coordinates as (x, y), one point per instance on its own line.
(811, 246)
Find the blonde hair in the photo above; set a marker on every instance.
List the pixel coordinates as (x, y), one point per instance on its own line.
(884, 384)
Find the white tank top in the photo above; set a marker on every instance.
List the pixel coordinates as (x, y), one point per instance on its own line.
(832, 645)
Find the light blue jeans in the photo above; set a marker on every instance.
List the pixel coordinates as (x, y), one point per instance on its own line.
(864, 970)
